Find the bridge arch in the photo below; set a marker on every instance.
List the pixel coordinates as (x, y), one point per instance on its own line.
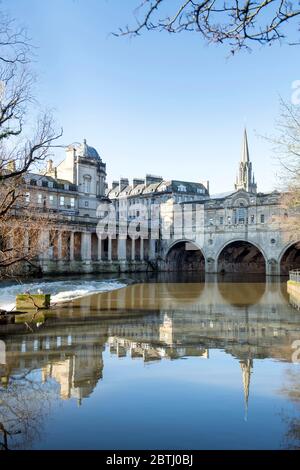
(290, 258)
(241, 256)
(185, 255)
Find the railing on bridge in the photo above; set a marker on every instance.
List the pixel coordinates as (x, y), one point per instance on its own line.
(295, 275)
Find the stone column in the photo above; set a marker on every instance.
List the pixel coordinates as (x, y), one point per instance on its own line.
(121, 249)
(59, 245)
(26, 241)
(141, 249)
(11, 241)
(86, 246)
(132, 249)
(152, 248)
(109, 249)
(44, 244)
(99, 256)
(211, 265)
(272, 267)
(71, 248)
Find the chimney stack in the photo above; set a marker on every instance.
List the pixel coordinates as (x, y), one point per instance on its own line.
(137, 181)
(150, 179)
(124, 182)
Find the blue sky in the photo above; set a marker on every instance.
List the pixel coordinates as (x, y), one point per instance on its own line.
(161, 104)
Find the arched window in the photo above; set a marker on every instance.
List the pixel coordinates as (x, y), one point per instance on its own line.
(87, 184)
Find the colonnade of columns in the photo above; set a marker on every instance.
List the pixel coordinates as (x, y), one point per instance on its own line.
(65, 243)
(87, 246)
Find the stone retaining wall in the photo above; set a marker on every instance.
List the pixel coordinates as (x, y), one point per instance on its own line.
(293, 289)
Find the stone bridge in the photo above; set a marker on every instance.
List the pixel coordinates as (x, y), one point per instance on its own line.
(241, 233)
(239, 250)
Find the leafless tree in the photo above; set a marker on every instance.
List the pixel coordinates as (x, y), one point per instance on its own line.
(286, 147)
(15, 44)
(27, 136)
(238, 23)
(25, 403)
(291, 391)
(21, 242)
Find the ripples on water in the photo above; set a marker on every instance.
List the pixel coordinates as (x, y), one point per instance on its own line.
(61, 291)
(177, 365)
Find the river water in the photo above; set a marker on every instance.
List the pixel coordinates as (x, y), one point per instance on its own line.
(164, 363)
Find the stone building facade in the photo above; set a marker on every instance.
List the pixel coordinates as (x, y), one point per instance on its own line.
(178, 224)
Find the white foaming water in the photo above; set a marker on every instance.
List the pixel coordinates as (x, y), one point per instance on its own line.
(61, 291)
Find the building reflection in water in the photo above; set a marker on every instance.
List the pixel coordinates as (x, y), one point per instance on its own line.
(154, 322)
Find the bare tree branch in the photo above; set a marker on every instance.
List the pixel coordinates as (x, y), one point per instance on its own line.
(239, 23)
(20, 151)
(286, 147)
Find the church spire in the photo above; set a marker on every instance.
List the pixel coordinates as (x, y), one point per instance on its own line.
(245, 149)
(245, 180)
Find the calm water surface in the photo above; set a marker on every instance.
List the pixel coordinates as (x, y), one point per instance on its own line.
(156, 365)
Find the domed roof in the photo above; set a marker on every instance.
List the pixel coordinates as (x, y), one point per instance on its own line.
(84, 150)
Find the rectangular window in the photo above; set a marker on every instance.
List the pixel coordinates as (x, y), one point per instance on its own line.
(86, 203)
(72, 202)
(87, 184)
(234, 217)
(241, 215)
(51, 199)
(40, 199)
(262, 218)
(252, 219)
(62, 200)
(221, 220)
